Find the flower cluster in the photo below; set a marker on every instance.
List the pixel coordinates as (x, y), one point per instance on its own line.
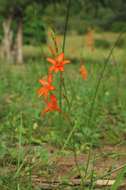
(57, 65)
(47, 88)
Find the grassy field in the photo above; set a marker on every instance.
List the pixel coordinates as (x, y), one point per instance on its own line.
(31, 144)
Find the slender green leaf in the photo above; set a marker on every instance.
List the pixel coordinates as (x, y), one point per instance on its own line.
(119, 179)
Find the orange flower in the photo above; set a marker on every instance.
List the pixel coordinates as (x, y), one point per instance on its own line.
(58, 63)
(46, 86)
(83, 72)
(52, 105)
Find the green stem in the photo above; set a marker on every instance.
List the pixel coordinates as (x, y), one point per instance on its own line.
(20, 147)
(91, 111)
(78, 167)
(63, 48)
(20, 141)
(92, 174)
(87, 164)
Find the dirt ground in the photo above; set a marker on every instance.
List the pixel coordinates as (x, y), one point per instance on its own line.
(106, 164)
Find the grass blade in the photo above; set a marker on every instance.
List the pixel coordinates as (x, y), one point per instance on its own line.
(119, 179)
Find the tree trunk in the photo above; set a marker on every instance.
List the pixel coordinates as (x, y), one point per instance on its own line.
(19, 42)
(7, 39)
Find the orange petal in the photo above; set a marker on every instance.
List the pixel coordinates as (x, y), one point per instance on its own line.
(51, 68)
(53, 98)
(40, 91)
(60, 57)
(66, 61)
(43, 82)
(51, 61)
(50, 77)
(52, 88)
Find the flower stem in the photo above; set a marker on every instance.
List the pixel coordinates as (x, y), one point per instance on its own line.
(63, 50)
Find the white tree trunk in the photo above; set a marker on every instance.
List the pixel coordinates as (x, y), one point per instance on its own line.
(19, 42)
(7, 39)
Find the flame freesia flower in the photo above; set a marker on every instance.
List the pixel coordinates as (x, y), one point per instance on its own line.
(83, 72)
(52, 105)
(58, 63)
(46, 86)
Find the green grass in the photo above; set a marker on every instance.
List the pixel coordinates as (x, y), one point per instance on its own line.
(21, 124)
(18, 95)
